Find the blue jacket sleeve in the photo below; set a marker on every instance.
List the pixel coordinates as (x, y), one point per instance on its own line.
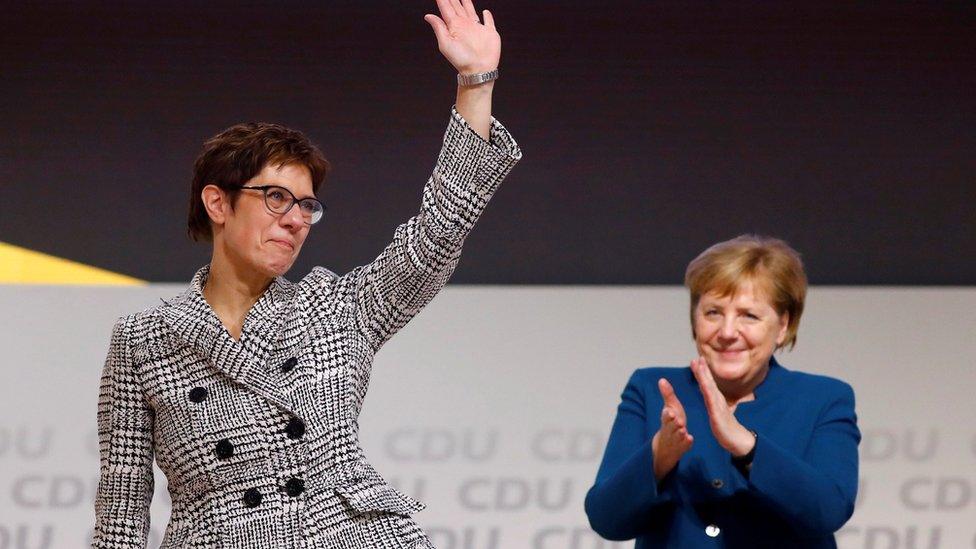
(815, 493)
(624, 499)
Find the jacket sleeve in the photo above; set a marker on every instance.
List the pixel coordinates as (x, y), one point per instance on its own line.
(425, 250)
(125, 423)
(625, 501)
(815, 492)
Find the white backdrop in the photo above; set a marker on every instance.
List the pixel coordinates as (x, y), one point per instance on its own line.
(493, 407)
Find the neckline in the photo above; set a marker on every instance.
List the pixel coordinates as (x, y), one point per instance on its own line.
(261, 311)
(767, 388)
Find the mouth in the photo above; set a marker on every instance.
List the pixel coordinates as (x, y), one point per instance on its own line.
(729, 353)
(283, 243)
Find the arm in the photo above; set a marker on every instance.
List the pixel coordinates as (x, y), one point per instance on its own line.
(426, 249)
(472, 163)
(815, 493)
(471, 48)
(125, 485)
(625, 500)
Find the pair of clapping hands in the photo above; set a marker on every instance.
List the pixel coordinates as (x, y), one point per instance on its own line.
(673, 439)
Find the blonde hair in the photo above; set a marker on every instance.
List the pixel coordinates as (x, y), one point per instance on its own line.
(770, 263)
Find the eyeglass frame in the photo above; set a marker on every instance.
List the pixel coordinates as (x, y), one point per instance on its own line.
(294, 200)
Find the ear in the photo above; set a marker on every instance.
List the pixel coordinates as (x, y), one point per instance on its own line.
(216, 202)
(784, 323)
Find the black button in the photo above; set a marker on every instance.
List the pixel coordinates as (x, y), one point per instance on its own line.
(224, 449)
(198, 394)
(252, 497)
(294, 487)
(296, 428)
(289, 364)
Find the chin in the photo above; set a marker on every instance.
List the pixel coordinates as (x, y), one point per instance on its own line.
(276, 268)
(278, 264)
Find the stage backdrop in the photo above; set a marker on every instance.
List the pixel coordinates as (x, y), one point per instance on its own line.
(494, 405)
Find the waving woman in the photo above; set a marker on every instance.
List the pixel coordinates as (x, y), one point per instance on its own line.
(247, 388)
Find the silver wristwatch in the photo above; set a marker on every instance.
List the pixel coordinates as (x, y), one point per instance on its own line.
(477, 78)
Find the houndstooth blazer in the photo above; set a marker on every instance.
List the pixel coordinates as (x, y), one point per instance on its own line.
(259, 438)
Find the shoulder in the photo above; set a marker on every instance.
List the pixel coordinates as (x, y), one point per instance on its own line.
(826, 386)
(318, 275)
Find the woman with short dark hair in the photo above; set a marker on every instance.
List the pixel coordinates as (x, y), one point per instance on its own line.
(735, 451)
(247, 388)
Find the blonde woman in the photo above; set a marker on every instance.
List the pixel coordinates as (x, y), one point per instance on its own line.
(736, 450)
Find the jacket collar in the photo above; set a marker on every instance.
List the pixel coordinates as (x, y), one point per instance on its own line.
(192, 320)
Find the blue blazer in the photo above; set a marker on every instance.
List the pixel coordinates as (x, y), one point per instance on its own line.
(800, 490)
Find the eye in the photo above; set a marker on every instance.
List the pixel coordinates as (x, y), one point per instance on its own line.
(711, 312)
(310, 206)
(276, 195)
(752, 316)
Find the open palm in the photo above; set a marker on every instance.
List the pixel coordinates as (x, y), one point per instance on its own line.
(469, 45)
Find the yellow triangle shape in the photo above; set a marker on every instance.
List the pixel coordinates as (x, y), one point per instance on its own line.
(23, 266)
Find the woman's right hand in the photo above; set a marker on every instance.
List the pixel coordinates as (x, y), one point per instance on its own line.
(672, 440)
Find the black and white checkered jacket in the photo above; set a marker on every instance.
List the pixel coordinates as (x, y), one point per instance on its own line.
(259, 438)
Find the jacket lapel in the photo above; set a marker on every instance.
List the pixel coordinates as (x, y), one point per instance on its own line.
(192, 320)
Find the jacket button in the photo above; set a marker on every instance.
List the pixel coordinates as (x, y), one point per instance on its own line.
(198, 394)
(289, 364)
(295, 428)
(224, 449)
(294, 487)
(712, 531)
(717, 483)
(252, 497)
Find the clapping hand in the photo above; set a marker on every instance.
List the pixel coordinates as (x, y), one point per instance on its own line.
(729, 433)
(673, 439)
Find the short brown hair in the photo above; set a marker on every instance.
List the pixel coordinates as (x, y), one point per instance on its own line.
(235, 155)
(769, 262)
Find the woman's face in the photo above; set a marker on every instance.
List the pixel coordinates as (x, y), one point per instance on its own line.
(256, 237)
(737, 334)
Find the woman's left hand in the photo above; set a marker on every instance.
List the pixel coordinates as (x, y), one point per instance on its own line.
(729, 433)
(470, 46)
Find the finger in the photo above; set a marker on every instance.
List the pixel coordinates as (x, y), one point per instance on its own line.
(440, 28)
(489, 19)
(667, 416)
(667, 393)
(458, 8)
(670, 416)
(469, 9)
(703, 385)
(709, 381)
(448, 13)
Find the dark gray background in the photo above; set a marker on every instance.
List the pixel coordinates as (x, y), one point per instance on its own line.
(650, 130)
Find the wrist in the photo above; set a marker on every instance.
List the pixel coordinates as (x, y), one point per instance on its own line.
(476, 78)
(478, 90)
(746, 446)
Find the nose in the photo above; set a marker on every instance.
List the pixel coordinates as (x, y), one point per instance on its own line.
(727, 330)
(292, 219)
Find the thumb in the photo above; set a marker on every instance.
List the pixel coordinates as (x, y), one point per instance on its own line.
(440, 28)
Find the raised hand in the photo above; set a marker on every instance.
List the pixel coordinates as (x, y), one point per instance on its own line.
(672, 440)
(467, 44)
(729, 433)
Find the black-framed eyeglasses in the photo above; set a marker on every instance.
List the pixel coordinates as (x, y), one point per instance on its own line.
(280, 200)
